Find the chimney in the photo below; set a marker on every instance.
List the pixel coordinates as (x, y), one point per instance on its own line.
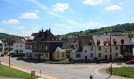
(42, 30)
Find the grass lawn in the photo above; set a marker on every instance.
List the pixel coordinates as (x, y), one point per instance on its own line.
(6, 71)
(123, 71)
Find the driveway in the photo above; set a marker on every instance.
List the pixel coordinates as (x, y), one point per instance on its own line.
(63, 71)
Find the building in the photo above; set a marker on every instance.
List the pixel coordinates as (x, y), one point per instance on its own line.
(1, 47)
(102, 45)
(86, 50)
(28, 46)
(19, 46)
(59, 54)
(44, 45)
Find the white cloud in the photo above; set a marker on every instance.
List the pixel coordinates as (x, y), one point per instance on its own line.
(120, 3)
(66, 19)
(61, 7)
(29, 32)
(11, 21)
(90, 25)
(40, 5)
(62, 29)
(36, 11)
(94, 2)
(29, 15)
(63, 26)
(20, 27)
(113, 7)
(35, 29)
(45, 8)
(2, 29)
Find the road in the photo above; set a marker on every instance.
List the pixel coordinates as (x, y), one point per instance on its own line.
(62, 71)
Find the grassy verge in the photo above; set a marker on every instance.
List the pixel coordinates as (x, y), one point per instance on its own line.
(6, 71)
(123, 71)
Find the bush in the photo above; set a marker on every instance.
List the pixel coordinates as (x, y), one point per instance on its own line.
(18, 55)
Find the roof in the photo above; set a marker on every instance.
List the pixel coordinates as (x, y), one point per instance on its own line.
(1, 41)
(45, 36)
(34, 34)
(58, 49)
(118, 39)
(21, 40)
(73, 40)
(84, 40)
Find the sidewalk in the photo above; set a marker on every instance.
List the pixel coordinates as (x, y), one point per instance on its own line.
(29, 71)
(9, 78)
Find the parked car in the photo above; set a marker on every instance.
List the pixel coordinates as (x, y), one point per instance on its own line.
(130, 61)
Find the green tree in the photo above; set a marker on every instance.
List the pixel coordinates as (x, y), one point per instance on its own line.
(120, 56)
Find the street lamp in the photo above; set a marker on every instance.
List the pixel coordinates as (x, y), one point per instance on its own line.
(9, 42)
(110, 55)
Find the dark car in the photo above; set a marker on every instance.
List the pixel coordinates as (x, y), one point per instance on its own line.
(130, 61)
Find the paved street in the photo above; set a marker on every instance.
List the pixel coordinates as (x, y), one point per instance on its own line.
(62, 71)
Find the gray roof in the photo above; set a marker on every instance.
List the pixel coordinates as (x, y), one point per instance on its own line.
(1, 41)
(84, 40)
(58, 49)
(103, 38)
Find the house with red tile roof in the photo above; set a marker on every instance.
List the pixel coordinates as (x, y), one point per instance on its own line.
(19, 46)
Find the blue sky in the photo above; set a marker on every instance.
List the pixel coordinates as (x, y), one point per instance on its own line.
(24, 17)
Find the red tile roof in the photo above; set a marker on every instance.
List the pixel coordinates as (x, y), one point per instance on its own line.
(22, 40)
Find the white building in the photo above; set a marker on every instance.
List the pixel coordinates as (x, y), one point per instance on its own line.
(86, 49)
(19, 46)
(1, 47)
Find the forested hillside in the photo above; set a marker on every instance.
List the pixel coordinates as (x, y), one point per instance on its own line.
(6, 36)
(119, 29)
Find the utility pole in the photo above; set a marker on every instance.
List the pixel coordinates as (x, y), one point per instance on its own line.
(9, 50)
(110, 56)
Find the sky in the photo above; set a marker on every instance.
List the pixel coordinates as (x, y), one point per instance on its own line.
(24, 17)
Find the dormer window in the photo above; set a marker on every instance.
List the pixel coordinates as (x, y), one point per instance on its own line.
(122, 41)
(104, 43)
(98, 42)
(90, 42)
(114, 41)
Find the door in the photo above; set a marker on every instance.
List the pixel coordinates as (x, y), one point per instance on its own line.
(86, 58)
(106, 57)
(16, 51)
(39, 56)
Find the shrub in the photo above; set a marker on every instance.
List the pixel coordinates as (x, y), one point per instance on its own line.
(18, 55)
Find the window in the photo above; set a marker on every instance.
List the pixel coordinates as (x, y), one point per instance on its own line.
(20, 45)
(35, 46)
(124, 47)
(41, 54)
(21, 51)
(85, 51)
(99, 54)
(105, 49)
(57, 55)
(36, 55)
(91, 55)
(116, 54)
(116, 48)
(99, 48)
(63, 55)
(46, 55)
(91, 47)
(78, 55)
(46, 48)
(0, 44)
(16, 46)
